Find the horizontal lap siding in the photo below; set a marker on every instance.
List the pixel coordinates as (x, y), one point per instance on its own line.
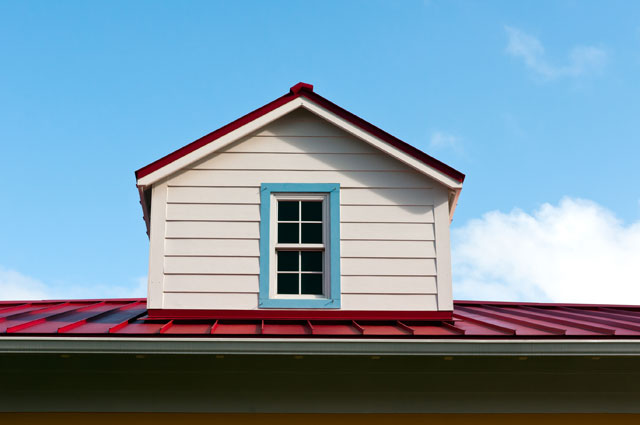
(204, 283)
(387, 231)
(388, 267)
(308, 145)
(380, 196)
(347, 179)
(251, 195)
(211, 265)
(381, 284)
(388, 302)
(386, 214)
(212, 229)
(211, 212)
(214, 195)
(387, 249)
(387, 220)
(212, 247)
(210, 301)
(302, 161)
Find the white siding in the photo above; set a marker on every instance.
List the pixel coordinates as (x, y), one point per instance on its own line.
(210, 256)
(212, 247)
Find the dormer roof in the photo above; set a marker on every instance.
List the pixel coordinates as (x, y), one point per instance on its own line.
(300, 95)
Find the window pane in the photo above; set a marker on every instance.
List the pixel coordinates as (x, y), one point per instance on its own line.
(312, 233)
(287, 261)
(288, 232)
(288, 283)
(287, 210)
(312, 211)
(312, 261)
(312, 284)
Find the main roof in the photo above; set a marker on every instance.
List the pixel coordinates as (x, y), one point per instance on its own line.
(471, 320)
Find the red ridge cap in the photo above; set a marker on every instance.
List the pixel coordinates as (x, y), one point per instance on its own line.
(301, 86)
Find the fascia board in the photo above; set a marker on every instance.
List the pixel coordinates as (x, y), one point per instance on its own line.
(324, 346)
(220, 143)
(380, 144)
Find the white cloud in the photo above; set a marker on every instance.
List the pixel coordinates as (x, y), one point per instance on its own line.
(581, 59)
(442, 140)
(576, 251)
(18, 286)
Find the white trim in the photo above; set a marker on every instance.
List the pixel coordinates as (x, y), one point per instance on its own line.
(454, 204)
(285, 109)
(443, 249)
(157, 233)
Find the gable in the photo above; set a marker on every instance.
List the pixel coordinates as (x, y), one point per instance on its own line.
(292, 105)
(302, 141)
(300, 96)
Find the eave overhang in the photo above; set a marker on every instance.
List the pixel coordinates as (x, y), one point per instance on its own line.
(299, 346)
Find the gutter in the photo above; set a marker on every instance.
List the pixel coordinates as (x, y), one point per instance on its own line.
(327, 347)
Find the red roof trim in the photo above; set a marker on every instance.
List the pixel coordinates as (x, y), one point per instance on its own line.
(302, 89)
(298, 314)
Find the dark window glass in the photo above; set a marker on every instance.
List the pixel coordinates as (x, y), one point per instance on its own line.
(287, 261)
(312, 284)
(312, 233)
(312, 211)
(287, 210)
(312, 261)
(288, 232)
(288, 283)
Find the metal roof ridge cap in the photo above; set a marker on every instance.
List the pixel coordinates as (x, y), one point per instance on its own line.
(296, 88)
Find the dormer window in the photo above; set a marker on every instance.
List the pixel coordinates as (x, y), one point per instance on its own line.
(299, 246)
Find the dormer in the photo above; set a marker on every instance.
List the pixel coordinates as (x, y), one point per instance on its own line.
(299, 209)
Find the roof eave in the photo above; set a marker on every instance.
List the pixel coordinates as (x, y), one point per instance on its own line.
(321, 346)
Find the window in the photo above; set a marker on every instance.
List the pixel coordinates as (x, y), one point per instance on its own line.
(299, 245)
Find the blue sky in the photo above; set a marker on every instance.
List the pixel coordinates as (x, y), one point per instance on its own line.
(537, 102)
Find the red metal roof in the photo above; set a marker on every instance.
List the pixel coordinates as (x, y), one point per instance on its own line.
(471, 319)
(306, 90)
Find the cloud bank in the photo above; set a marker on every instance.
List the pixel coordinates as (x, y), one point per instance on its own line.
(581, 59)
(18, 286)
(576, 251)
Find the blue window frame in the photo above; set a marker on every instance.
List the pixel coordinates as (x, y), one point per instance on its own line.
(284, 283)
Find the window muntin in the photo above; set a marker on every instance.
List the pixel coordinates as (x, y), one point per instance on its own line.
(300, 246)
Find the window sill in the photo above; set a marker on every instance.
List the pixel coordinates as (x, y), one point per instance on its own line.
(298, 303)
